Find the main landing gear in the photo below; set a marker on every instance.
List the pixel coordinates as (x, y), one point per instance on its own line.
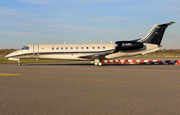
(97, 62)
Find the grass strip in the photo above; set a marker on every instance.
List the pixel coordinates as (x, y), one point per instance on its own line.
(4, 60)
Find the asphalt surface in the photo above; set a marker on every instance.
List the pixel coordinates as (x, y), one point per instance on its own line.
(79, 88)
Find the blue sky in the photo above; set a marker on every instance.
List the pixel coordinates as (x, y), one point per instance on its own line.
(25, 22)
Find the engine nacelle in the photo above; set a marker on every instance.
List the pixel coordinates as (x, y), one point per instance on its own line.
(127, 45)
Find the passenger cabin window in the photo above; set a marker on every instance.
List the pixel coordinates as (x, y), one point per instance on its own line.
(25, 48)
(87, 47)
(82, 48)
(71, 48)
(52, 48)
(103, 47)
(93, 48)
(57, 48)
(66, 48)
(77, 48)
(61, 48)
(98, 47)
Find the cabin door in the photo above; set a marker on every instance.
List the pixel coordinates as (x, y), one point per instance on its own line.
(36, 50)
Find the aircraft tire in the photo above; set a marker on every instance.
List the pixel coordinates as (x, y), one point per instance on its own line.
(100, 64)
(19, 64)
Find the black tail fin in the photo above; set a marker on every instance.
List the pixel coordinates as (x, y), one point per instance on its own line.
(156, 34)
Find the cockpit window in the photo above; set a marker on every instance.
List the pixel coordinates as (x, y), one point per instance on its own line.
(25, 48)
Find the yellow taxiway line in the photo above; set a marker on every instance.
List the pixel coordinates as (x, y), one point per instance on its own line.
(7, 74)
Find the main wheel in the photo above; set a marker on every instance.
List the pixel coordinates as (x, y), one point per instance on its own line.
(100, 64)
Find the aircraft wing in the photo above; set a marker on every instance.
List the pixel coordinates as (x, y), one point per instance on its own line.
(94, 56)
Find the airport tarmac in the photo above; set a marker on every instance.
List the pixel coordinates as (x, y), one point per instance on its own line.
(80, 88)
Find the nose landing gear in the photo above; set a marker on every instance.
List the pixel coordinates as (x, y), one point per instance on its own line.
(19, 63)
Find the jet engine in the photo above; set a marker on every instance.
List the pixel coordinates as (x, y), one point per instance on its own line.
(127, 45)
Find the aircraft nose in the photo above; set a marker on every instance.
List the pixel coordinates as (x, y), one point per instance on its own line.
(13, 54)
(7, 56)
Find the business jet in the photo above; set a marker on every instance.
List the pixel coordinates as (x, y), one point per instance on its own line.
(94, 52)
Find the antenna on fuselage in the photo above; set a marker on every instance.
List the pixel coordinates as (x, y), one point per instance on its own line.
(65, 42)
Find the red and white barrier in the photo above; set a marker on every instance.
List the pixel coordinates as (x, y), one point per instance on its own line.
(154, 62)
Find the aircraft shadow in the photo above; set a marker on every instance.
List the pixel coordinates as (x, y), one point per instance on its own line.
(81, 64)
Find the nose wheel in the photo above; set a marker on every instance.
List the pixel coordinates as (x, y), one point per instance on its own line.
(19, 63)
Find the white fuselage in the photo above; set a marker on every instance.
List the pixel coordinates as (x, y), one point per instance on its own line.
(76, 51)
